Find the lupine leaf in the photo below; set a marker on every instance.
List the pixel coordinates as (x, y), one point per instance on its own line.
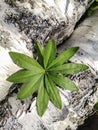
(43, 75)
(64, 57)
(30, 87)
(42, 99)
(53, 92)
(40, 52)
(69, 68)
(23, 76)
(49, 53)
(24, 61)
(64, 82)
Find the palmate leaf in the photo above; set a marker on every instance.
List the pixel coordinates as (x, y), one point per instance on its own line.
(23, 76)
(69, 68)
(24, 61)
(64, 57)
(49, 53)
(30, 87)
(40, 52)
(53, 92)
(43, 75)
(42, 99)
(64, 82)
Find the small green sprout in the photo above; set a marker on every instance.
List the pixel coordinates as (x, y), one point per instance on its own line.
(45, 74)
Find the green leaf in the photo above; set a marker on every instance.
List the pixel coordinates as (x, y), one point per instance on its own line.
(64, 56)
(53, 92)
(24, 61)
(64, 82)
(30, 87)
(42, 99)
(40, 52)
(49, 53)
(23, 76)
(96, 106)
(70, 68)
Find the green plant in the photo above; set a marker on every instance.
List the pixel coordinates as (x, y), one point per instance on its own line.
(43, 74)
(92, 8)
(96, 106)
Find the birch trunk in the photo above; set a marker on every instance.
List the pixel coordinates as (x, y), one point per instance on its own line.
(22, 22)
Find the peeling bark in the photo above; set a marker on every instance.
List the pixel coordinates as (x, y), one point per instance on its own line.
(42, 19)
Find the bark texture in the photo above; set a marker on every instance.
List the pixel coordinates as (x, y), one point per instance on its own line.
(22, 22)
(44, 19)
(86, 37)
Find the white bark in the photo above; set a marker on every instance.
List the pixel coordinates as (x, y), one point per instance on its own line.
(86, 37)
(20, 26)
